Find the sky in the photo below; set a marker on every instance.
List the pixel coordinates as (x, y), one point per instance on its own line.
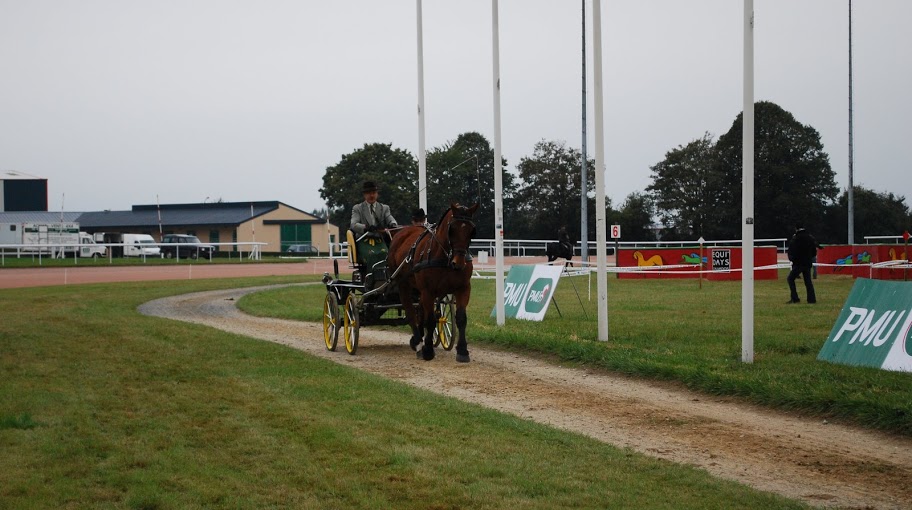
(120, 102)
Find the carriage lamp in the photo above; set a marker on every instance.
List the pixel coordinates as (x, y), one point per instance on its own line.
(326, 278)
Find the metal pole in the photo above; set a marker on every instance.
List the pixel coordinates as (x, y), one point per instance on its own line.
(422, 157)
(498, 172)
(584, 198)
(747, 191)
(851, 142)
(600, 248)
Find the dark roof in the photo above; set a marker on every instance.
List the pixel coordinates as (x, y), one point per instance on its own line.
(175, 215)
(38, 217)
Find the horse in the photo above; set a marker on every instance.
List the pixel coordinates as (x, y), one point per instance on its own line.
(557, 249)
(436, 263)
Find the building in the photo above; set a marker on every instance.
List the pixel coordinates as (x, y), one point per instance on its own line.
(275, 223)
(22, 192)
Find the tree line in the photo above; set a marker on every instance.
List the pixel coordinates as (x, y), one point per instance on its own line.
(695, 190)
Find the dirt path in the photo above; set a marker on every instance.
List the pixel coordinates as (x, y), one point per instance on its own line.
(823, 464)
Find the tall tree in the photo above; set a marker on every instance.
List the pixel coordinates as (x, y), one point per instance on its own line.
(876, 214)
(550, 194)
(394, 170)
(793, 181)
(688, 190)
(636, 218)
(463, 171)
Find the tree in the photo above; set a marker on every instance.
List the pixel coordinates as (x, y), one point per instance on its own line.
(463, 171)
(394, 170)
(550, 195)
(688, 191)
(636, 216)
(793, 181)
(876, 214)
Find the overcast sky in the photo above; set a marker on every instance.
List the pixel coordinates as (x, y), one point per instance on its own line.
(117, 102)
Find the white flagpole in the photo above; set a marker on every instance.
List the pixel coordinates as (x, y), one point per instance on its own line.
(422, 157)
(498, 173)
(747, 191)
(158, 206)
(600, 223)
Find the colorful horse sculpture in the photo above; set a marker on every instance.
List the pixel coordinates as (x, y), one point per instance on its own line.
(436, 262)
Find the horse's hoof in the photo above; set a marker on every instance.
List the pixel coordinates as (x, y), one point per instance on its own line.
(427, 354)
(462, 358)
(413, 343)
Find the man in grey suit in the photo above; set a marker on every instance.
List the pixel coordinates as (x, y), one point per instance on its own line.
(371, 215)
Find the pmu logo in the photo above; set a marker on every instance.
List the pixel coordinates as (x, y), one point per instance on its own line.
(538, 294)
(870, 328)
(513, 293)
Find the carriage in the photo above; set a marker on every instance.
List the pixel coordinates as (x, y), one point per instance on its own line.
(371, 297)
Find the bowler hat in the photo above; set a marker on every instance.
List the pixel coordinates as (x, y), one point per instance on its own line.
(368, 187)
(418, 214)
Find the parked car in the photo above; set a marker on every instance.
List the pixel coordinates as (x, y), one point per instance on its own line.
(185, 246)
(302, 249)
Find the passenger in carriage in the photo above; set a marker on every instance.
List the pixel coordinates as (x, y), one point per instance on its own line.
(370, 215)
(419, 218)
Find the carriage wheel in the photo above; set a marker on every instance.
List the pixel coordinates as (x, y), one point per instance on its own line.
(331, 320)
(352, 323)
(443, 333)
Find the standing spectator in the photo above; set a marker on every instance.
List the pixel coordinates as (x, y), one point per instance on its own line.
(801, 252)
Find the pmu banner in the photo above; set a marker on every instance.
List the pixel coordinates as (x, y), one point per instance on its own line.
(873, 328)
(528, 291)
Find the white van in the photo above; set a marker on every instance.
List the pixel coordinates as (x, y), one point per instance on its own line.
(140, 245)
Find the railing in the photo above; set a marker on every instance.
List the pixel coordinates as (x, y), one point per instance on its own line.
(895, 239)
(51, 250)
(525, 247)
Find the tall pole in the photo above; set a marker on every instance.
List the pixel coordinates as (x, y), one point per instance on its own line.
(498, 172)
(851, 142)
(747, 191)
(422, 157)
(600, 224)
(584, 198)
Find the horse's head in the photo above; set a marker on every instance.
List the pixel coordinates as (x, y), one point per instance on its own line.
(459, 231)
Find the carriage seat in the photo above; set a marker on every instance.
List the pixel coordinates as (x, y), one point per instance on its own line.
(366, 252)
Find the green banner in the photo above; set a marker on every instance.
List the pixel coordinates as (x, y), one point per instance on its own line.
(528, 291)
(873, 328)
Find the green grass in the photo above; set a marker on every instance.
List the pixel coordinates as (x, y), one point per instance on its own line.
(672, 330)
(104, 408)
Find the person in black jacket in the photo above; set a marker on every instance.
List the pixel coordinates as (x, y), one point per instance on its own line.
(802, 250)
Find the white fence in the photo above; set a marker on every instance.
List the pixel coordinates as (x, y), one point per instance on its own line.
(537, 247)
(56, 251)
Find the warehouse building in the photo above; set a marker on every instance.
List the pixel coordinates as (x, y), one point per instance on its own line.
(273, 222)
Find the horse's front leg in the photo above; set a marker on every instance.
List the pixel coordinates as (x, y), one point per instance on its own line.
(405, 297)
(430, 324)
(462, 346)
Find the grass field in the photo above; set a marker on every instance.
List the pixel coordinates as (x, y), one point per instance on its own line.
(673, 330)
(101, 407)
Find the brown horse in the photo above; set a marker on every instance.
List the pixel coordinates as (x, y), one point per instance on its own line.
(436, 263)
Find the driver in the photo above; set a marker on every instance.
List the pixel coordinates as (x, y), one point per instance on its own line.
(371, 215)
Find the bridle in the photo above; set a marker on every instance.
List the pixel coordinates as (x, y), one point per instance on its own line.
(452, 251)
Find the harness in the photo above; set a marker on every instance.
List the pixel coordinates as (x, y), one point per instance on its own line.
(424, 260)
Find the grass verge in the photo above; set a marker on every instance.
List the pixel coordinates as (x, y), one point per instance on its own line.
(673, 330)
(104, 408)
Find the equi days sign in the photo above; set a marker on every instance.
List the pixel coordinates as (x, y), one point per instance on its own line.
(873, 328)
